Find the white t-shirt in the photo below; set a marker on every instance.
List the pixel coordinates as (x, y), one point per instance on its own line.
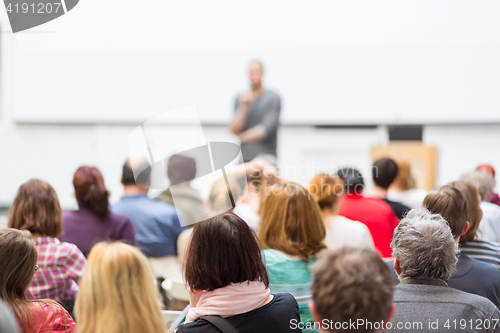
(248, 215)
(345, 232)
(489, 227)
(411, 198)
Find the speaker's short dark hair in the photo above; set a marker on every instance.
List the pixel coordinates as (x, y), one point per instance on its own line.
(384, 171)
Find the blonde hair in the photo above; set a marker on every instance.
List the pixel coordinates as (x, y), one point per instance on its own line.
(404, 180)
(117, 293)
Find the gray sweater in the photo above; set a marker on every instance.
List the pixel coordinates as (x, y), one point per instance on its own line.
(432, 306)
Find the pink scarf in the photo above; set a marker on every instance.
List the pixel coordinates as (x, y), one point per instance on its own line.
(233, 299)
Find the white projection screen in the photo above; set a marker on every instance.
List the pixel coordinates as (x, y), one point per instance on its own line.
(332, 62)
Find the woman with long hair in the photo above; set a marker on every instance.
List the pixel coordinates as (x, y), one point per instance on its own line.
(227, 278)
(117, 293)
(292, 232)
(93, 222)
(327, 190)
(469, 243)
(18, 262)
(36, 209)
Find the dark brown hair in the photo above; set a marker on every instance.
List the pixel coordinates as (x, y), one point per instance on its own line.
(326, 189)
(469, 190)
(90, 190)
(18, 256)
(36, 209)
(291, 221)
(384, 171)
(451, 204)
(351, 284)
(223, 250)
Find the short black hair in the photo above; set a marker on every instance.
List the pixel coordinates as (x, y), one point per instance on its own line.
(223, 250)
(143, 179)
(353, 180)
(384, 171)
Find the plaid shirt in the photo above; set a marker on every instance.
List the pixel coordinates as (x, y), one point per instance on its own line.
(60, 266)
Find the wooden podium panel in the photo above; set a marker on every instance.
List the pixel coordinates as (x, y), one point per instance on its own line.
(423, 160)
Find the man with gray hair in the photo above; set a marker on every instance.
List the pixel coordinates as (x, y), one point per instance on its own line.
(489, 227)
(425, 256)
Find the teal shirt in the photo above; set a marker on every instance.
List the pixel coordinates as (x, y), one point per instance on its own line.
(294, 277)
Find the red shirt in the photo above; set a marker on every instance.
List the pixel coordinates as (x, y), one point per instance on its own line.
(377, 215)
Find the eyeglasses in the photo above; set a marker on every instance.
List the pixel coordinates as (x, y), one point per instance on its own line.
(36, 268)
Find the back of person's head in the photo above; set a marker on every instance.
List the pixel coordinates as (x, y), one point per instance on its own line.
(181, 169)
(353, 180)
(291, 221)
(487, 168)
(384, 171)
(143, 178)
(90, 190)
(451, 204)
(469, 190)
(219, 198)
(36, 209)
(223, 250)
(18, 258)
(484, 182)
(424, 246)
(350, 285)
(117, 292)
(404, 180)
(326, 190)
(8, 323)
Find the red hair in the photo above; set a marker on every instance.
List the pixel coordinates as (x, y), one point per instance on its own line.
(90, 190)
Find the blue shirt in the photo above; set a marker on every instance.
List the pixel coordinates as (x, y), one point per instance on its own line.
(156, 224)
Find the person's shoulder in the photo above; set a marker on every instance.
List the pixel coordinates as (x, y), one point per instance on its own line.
(485, 269)
(272, 95)
(118, 218)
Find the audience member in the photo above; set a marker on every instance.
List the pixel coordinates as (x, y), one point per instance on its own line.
(36, 209)
(260, 173)
(350, 285)
(403, 188)
(425, 257)
(181, 170)
(481, 250)
(223, 196)
(8, 323)
(227, 278)
(340, 231)
(93, 222)
(494, 198)
(471, 275)
(156, 223)
(18, 262)
(118, 294)
(489, 227)
(292, 232)
(377, 215)
(384, 171)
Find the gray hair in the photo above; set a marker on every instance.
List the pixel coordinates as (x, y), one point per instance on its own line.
(424, 246)
(483, 180)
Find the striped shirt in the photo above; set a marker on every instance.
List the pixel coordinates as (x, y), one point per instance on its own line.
(60, 266)
(482, 250)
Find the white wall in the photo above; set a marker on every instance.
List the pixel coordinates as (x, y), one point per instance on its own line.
(53, 152)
